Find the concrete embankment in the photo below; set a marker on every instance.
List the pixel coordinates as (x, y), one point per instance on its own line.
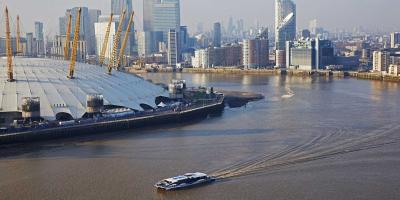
(322, 73)
(232, 71)
(374, 76)
(301, 73)
(109, 126)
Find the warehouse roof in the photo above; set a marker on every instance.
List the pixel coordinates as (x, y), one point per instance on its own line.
(47, 79)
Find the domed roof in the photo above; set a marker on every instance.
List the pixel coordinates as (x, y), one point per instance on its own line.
(47, 79)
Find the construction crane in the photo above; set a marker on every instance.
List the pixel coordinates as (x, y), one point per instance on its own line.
(105, 42)
(111, 64)
(68, 37)
(10, 70)
(75, 45)
(123, 46)
(18, 42)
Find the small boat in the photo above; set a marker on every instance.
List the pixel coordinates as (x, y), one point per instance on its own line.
(289, 94)
(184, 181)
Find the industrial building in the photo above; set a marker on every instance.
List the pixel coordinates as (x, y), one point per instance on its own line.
(301, 55)
(309, 54)
(63, 98)
(225, 56)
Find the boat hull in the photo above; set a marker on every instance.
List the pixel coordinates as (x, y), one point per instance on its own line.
(186, 186)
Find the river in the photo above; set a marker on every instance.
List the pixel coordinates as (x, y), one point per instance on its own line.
(310, 138)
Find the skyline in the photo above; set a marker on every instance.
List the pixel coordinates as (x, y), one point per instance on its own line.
(352, 12)
(285, 23)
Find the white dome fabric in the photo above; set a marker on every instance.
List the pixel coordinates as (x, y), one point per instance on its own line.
(47, 79)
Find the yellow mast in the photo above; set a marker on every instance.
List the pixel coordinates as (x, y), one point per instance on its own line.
(68, 37)
(10, 70)
(111, 63)
(123, 46)
(18, 42)
(105, 42)
(75, 45)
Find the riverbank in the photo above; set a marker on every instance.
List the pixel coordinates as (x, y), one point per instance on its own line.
(274, 72)
(233, 71)
(374, 76)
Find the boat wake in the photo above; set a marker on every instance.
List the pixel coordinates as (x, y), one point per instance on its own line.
(320, 147)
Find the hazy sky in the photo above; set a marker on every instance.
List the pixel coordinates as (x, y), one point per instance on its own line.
(331, 14)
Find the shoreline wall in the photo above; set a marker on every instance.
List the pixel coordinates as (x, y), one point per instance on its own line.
(111, 126)
(300, 73)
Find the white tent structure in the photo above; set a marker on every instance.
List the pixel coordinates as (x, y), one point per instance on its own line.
(47, 79)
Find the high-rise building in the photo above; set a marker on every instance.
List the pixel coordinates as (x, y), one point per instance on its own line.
(231, 26)
(381, 61)
(85, 33)
(3, 44)
(183, 37)
(39, 31)
(144, 48)
(325, 53)
(240, 26)
(200, 58)
(395, 40)
(148, 7)
(394, 70)
(30, 44)
(301, 55)
(57, 48)
(226, 56)
(100, 31)
(305, 34)
(62, 25)
(166, 16)
(309, 54)
(94, 15)
(172, 48)
(255, 53)
(39, 38)
(217, 35)
(117, 7)
(280, 58)
(148, 42)
(285, 23)
(159, 17)
(200, 28)
(86, 30)
(313, 26)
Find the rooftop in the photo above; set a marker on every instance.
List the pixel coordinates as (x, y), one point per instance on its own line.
(47, 79)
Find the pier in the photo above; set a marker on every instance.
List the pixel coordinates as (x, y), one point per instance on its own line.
(149, 120)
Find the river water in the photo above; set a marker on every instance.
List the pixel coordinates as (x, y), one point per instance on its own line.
(308, 139)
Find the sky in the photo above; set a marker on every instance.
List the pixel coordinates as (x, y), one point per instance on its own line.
(331, 14)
